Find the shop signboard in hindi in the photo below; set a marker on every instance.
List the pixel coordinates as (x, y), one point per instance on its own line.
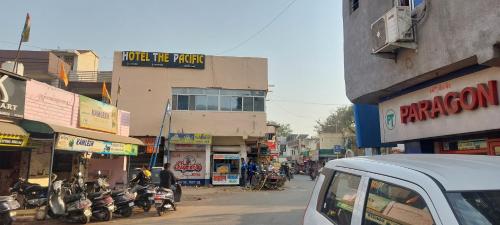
(193, 139)
(163, 59)
(97, 115)
(48, 104)
(225, 179)
(12, 95)
(80, 144)
(189, 165)
(226, 156)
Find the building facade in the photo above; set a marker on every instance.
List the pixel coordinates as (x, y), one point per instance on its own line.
(217, 108)
(435, 79)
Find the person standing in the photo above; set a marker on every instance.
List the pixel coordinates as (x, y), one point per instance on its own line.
(244, 173)
(252, 168)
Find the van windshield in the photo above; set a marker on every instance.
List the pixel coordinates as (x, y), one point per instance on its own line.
(476, 207)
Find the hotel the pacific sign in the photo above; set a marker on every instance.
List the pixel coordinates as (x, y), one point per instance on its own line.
(163, 59)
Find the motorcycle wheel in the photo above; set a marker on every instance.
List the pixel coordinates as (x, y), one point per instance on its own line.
(6, 219)
(160, 211)
(85, 219)
(146, 208)
(108, 215)
(127, 212)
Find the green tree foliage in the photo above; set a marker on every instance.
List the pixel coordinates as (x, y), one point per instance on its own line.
(340, 121)
(283, 130)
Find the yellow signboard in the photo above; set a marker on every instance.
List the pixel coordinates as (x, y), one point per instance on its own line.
(96, 115)
(192, 139)
(80, 144)
(13, 140)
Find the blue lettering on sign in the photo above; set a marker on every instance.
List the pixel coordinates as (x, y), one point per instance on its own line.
(84, 142)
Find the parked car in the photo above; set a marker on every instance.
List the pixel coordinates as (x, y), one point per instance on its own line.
(407, 189)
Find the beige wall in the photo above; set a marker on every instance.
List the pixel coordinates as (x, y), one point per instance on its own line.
(145, 92)
(328, 140)
(87, 61)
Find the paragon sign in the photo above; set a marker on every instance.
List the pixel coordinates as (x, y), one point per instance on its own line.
(462, 105)
(470, 98)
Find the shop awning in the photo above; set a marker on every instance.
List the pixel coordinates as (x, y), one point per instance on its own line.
(12, 129)
(44, 128)
(12, 135)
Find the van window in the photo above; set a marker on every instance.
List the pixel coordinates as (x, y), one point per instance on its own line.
(340, 197)
(392, 204)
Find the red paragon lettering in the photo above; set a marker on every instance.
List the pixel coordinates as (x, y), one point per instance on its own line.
(470, 98)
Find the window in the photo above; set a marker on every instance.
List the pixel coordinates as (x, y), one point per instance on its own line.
(248, 104)
(354, 5)
(339, 201)
(476, 207)
(258, 105)
(183, 102)
(200, 102)
(392, 204)
(213, 103)
(211, 99)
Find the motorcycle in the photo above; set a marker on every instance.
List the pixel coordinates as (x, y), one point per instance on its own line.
(103, 205)
(144, 196)
(164, 200)
(7, 206)
(65, 204)
(123, 200)
(313, 174)
(33, 195)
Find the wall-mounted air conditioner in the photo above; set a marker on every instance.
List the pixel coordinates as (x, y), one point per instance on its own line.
(393, 30)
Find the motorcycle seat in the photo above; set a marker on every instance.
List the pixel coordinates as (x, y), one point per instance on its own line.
(117, 193)
(165, 189)
(6, 198)
(95, 195)
(72, 198)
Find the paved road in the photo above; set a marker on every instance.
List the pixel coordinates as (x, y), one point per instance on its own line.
(232, 206)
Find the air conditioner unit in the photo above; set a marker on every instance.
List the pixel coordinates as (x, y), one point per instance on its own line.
(393, 30)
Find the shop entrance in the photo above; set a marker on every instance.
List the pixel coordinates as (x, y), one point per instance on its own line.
(494, 146)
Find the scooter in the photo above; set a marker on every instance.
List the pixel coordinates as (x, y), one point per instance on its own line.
(103, 204)
(34, 195)
(164, 200)
(144, 196)
(70, 206)
(7, 206)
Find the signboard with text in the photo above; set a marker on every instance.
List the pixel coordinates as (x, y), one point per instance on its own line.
(163, 59)
(12, 94)
(80, 144)
(188, 165)
(462, 105)
(193, 139)
(97, 115)
(13, 140)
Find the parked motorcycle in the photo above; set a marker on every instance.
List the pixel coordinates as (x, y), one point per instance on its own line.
(144, 196)
(33, 195)
(67, 205)
(7, 206)
(123, 200)
(164, 200)
(103, 205)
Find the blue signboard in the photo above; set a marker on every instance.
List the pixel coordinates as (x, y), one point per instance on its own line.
(337, 149)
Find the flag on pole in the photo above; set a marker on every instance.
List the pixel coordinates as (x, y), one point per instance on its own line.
(105, 93)
(63, 76)
(25, 36)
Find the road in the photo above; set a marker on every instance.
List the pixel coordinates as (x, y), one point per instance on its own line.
(231, 206)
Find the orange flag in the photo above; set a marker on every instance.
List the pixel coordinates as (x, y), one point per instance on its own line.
(105, 93)
(63, 76)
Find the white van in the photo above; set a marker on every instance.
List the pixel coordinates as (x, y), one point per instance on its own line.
(407, 189)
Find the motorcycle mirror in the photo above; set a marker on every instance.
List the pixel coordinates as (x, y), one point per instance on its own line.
(99, 173)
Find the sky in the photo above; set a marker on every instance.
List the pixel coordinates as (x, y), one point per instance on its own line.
(303, 42)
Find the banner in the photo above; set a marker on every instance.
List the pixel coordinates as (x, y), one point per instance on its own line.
(96, 115)
(80, 144)
(162, 59)
(189, 165)
(12, 94)
(46, 103)
(193, 139)
(13, 140)
(123, 123)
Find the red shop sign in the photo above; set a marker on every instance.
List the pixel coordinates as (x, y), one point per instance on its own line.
(470, 98)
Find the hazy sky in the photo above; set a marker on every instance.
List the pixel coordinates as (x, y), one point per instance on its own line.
(303, 45)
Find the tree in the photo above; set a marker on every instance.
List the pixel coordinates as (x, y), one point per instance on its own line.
(283, 130)
(340, 121)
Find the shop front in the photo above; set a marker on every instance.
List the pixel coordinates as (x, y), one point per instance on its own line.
(460, 115)
(190, 158)
(226, 169)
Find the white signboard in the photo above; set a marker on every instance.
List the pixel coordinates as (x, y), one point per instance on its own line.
(466, 104)
(188, 165)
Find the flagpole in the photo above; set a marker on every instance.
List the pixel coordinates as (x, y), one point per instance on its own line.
(26, 30)
(17, 54)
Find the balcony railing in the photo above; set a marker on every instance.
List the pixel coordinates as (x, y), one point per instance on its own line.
(90, 76)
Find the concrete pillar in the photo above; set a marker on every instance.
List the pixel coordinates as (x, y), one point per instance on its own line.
(208, 164)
